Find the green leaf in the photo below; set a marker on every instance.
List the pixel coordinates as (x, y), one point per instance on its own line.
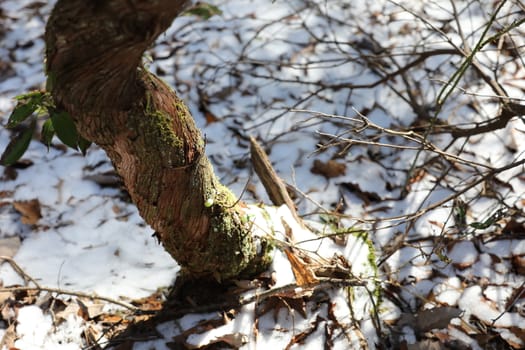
(202, 10)
(65, 128)
(27, 104)
(83, 145)
(34, 96)
(18, 145)
(481, 225)
(500, 213)
(20, 113)
(48, 132)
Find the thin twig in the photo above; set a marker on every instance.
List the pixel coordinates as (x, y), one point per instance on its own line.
(72, 293)
(408, 135)
(40, 288)
(27, 278)
(511, 305)
(289, 289)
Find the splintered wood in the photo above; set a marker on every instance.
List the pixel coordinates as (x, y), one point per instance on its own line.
(272, 183)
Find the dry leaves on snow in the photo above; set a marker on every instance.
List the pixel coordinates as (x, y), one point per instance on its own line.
(328, 169)
(30, 211)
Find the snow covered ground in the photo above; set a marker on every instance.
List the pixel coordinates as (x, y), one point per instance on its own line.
(322, 85)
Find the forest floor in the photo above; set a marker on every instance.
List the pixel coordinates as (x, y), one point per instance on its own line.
(409, 175)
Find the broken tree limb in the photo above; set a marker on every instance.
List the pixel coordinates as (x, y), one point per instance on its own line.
(272, 183)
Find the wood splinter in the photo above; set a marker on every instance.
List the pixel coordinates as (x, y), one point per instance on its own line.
(272, 183)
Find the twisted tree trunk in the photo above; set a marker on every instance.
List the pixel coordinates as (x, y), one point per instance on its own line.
(95, 73)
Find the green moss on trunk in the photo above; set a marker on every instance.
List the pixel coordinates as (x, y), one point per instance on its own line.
(93, 56)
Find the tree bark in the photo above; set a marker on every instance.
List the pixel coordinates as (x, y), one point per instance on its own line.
(94, 65)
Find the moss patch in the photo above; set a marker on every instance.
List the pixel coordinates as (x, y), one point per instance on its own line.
(163, 129)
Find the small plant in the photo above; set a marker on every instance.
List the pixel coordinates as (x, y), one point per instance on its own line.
(31, 107)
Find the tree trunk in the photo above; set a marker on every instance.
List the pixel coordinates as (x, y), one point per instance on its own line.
(94, 55)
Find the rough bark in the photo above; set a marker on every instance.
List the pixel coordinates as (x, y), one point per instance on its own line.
(95, 73)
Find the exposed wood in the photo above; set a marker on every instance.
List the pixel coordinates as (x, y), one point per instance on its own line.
(272, 183)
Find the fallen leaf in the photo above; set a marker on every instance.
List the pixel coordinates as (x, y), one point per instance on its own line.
(329, 169)
(9, 338)
(5, 194)
(235, 340)
(365, 196)
(300, 338)
(4, 296)
(106, 179)
(93, 337)
(26, 297)
(518, 263)
(439, 224)
(519, 333)
(152, 302)
(436, 318)
(179, 341)
(426, 320)
(303, 274)
(30, 211)
(495, 341)
(9, 309)
(108, 319)
(210, 117)
(426, 345)
(89, 310)
(70, 309)
(514, 227)
(417, 176)
(276, 303)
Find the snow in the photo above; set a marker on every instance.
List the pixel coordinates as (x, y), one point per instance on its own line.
(91, 240)
(448, 291)
(36, 331)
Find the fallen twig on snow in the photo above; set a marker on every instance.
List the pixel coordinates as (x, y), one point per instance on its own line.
(27, 278)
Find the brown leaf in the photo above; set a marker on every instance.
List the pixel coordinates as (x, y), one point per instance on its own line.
(152, 302)
(303, 274)
(300, 338)
(235, 340)
(519, 333)
(417, 176)
(70, 309)
(514, 227)
(426, 344)
(494, 341)
(439, 224)
(9, 338)
(276, 303)
(179, 341)
(89, 310)
(9, 309)
(426, 320)
(92, 336)
(30, 211)
(5, 194)
(365, 196)
(4, 296)
(26, 297)
(329, 169)
(210, 117)
(111, 319)
(518, 263)
(106, 179)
